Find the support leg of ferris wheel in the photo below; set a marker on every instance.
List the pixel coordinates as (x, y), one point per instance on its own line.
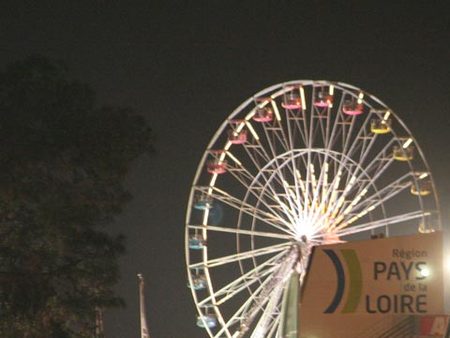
(289, 311)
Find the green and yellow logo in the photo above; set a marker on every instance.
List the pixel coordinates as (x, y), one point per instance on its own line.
(353, 283)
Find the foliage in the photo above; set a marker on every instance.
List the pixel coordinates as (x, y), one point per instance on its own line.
(63, 161)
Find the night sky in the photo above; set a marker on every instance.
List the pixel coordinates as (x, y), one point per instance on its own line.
(186, 65)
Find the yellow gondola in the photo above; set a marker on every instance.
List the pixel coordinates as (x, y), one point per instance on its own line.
(421, 188)
(380, 126)
(423, 229)
(403, 154)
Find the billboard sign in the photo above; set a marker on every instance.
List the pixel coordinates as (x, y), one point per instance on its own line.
(397, 277)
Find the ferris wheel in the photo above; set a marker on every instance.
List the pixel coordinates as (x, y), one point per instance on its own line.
(298, 164)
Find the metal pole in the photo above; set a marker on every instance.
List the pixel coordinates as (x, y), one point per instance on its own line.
(144, 328)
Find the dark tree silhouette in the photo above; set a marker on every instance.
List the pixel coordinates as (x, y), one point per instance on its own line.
(63, 161)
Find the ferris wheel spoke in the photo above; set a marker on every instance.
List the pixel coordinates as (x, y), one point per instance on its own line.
(273, 170)
(324, 117)
(333, 187)
(290, 206)
(320, 186)
(295, 125)
(347, 134)
(276, 174)
(249, 181)
(361, 176)
(381, 223)
(329, 120)
(302, 191)
(329, 195)
(270, 200)
(303, 127)
(300, 195)
(284, 136)
(289, 211)
(308, 178)
(239, 316)
(380, 161)
(244, 285)
(292, 166)
(240, 256)
(367, 146)
(237, 170)
(368, 177)
(257, 153)
(257, 149)
(238, 231)
(274, 329)
(316, 186)
(365, 183)
(276, 280)
(369, 204)
(295, 191)
(274, 136)
(380, 169)
(382, 195)
(336, 130)
(360, 136)
(310, 129)
(377, 167)
(263, 325)
(243, 282)
(338, 196)
(354, 215)
(293, 197)
(372, 136)
(270, 217)
(336, 200)
(314, 125)
(296, 121)
(363, 150)
(363, 141)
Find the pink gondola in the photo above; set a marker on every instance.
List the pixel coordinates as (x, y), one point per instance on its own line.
(292, 101)
(352, 107)
(323, 99)
(237, 137)
(263, 114)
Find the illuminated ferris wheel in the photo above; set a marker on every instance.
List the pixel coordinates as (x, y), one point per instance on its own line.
(298, 164)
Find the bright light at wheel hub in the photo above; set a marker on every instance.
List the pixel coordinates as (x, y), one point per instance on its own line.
(304, 228)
